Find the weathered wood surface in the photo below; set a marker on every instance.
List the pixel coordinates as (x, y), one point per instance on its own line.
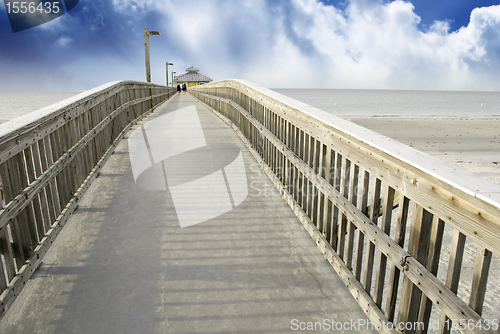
(48, 159)
(342, 180)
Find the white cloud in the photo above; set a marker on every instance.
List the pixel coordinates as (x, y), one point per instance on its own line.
(131, 7)
(380, 46)
(306, 43)
(64, 41)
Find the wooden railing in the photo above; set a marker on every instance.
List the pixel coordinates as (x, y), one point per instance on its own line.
(381, 212)
(48, 159)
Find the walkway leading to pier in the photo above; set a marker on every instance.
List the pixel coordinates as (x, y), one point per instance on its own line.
(122, 263)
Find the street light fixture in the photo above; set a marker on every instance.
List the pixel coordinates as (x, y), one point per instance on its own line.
(167, 72)
(148, 33)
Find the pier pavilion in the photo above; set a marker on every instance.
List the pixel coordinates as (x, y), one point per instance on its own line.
(192, 77)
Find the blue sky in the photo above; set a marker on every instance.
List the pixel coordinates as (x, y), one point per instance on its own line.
(378, 44)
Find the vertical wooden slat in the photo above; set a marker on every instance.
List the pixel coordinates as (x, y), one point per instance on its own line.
(25, 221)
(95, 118)
(331, 170)
(345, 180)
(89, 147)
(337, 184)
(301, 144)
(288, 176)
(282, 167)
(480, 280)
(37, 209)
(66, 137)
(321, 211)
(351, 233)
(282, 135)
(297, 141)
(316, 194)
(312, 152)
(52, 196)
(418, 247)
(78, 160)
(355, 186)
(20, 245)
(320, 197)
(352, 228)
(374, 214)
(8, 253)
(6, 250)
(392, 294)
(335, 227)
(382, 259)
(43, 196)
(291, 139)
(27, 214)
(308, 196)
(327, 164)
(436, 242)
(315, 204)
(273, 157)
(331, 219)
(346, 177)
(307, 186)
(295, 183)
(61, 181)
(300, 189)
(361, 236)
(338, 172)
(453, 275)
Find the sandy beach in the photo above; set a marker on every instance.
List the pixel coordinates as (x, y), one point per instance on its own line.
(469, 144)
(472, 145)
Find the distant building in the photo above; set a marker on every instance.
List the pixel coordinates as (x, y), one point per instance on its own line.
(192, 78)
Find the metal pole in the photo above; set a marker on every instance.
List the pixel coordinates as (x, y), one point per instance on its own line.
(167, 63)
(146, 47)
(173, 78)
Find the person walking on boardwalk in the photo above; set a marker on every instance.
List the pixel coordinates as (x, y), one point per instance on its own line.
(178, 88)
(184, 88)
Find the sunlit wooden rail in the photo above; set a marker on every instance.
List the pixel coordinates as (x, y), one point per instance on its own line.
(376, 208)
(48, 159)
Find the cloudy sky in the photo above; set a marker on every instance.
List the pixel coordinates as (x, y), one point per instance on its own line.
(378, 44)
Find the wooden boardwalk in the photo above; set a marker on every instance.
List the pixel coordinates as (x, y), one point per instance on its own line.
(122, 264)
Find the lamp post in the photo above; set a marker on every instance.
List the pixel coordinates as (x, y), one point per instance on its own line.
(167, 72)
(147, 33)
(173, 78)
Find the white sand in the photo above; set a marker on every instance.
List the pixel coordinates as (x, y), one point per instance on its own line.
(469, 144)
